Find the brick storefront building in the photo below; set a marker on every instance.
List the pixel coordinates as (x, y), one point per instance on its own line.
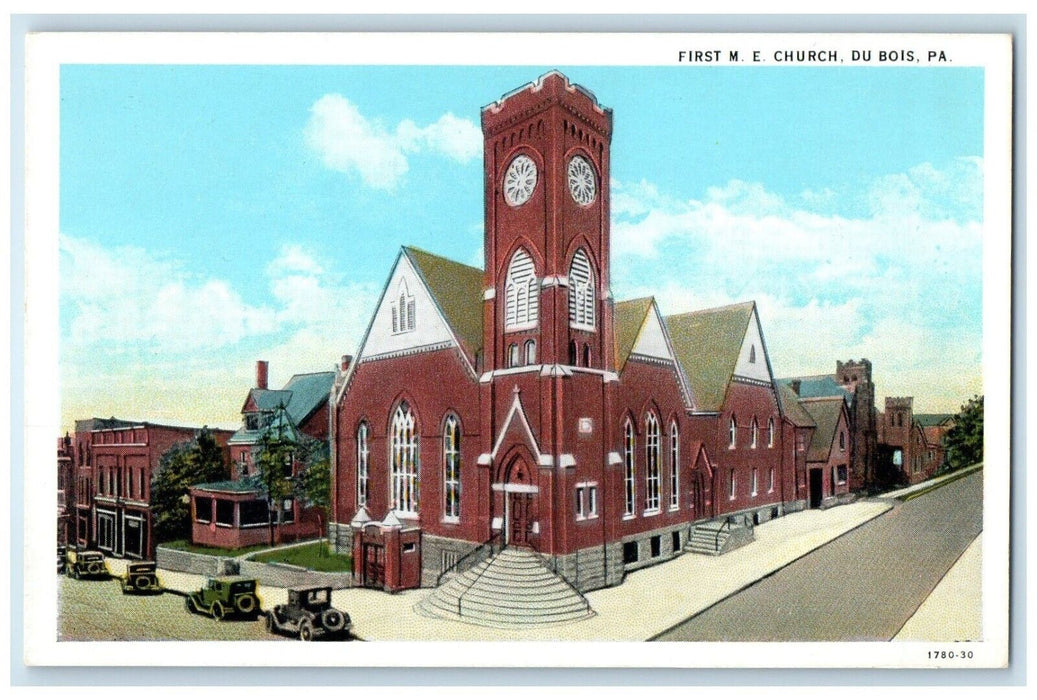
(522, 404)
(115, 461)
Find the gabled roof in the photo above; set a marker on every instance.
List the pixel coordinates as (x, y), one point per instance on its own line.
(817, 386)
(792, 409)
(825, 412)
(307, 393)
(458, 291)
(267, 399)
(630, 317)
(707, 344)
(932, 419)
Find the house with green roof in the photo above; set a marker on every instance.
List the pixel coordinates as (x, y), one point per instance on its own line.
(237, 513)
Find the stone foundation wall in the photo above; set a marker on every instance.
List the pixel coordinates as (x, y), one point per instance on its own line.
(433, 562)
(340, 537)
(644, 546)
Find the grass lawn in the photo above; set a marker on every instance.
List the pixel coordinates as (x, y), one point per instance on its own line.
(185, 546)
(314, 556)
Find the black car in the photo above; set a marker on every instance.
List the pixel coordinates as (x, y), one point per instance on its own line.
(140, 577)
(62, 549)
(309, 614)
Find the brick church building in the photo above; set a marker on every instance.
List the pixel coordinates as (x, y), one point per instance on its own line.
(520, 404)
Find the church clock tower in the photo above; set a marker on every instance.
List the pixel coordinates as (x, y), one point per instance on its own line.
(548, 350)
(546, 163)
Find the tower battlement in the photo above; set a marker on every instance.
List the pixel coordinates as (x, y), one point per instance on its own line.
(899, 402)
(552, 88)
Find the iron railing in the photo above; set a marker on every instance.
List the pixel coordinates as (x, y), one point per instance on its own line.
(480, 553)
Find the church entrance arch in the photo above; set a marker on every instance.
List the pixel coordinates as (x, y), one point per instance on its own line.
(519, 493)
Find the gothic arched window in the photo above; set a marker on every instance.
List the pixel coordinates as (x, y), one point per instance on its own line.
(628, 467)
(581, 292)
(651, 462)
(521, 295)
(404, 483)
(363, 454)
(732, 434)
(675, 452)
(452, 468)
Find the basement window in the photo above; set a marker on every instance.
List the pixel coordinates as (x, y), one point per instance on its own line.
(630, 552)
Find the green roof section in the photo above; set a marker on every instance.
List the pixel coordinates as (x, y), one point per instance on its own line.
(227, 487)
(818, 386)
(825, 413)
(308, 392)
(458, 290)
(929, 420)
(792, 409)
(269, 399)
(630, 317)
(707, 343)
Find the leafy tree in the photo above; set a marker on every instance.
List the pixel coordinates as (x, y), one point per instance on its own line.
(183, 465)
(313, 488)
(965, 439)
(276, 456)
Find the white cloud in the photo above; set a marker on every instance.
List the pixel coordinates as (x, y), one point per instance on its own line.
(147, 340)
(126, 296)
(347, 141)
(902, 286)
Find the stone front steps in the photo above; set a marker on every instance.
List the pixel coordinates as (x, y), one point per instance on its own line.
(714, 538)
(511, 589)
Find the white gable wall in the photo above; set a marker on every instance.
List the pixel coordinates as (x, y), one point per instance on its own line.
(429, 327)
(753, 339)
(652, 341)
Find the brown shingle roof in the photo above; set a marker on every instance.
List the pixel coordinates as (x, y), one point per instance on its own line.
(630, 317)
(457, 289)
(707, 344)
(825, 413)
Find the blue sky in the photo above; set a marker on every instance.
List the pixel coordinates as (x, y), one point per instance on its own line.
(215, 215)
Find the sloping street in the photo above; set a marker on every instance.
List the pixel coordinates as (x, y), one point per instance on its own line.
(862, 586)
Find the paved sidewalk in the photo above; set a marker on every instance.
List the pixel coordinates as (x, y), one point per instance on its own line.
(953, 612)
(648, 602)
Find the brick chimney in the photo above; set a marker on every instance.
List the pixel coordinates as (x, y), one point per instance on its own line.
(261, 373)
(347, 360)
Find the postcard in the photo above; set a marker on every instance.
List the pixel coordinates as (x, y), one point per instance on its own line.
(646, 350)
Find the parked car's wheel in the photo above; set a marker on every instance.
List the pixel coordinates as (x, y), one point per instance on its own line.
(75, 572)
(189, 604)
(217, 611)
(333, 620)
(306, 631)
(271, 623)
(247, 604)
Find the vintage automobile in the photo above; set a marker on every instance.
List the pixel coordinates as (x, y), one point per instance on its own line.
(309, 614)
(140, 577)
(87, 564)
(62, 551)
(224, 597)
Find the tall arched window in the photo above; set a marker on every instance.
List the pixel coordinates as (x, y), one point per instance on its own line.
(513, 355)
(363, 454)
(404, 483)
(755, 433)
(770, 432)
(651, 462)
(573, 353)
(732, 433)
(452, 468)
(628, 467)
(521, 295)
(675, 460)
(581, 292)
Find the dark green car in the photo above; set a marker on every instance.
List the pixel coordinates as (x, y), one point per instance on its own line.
(140, 577)
(89, 564)
(227, 596)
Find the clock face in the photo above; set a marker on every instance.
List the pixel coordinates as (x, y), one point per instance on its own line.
(520, 180)
(581, 180)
